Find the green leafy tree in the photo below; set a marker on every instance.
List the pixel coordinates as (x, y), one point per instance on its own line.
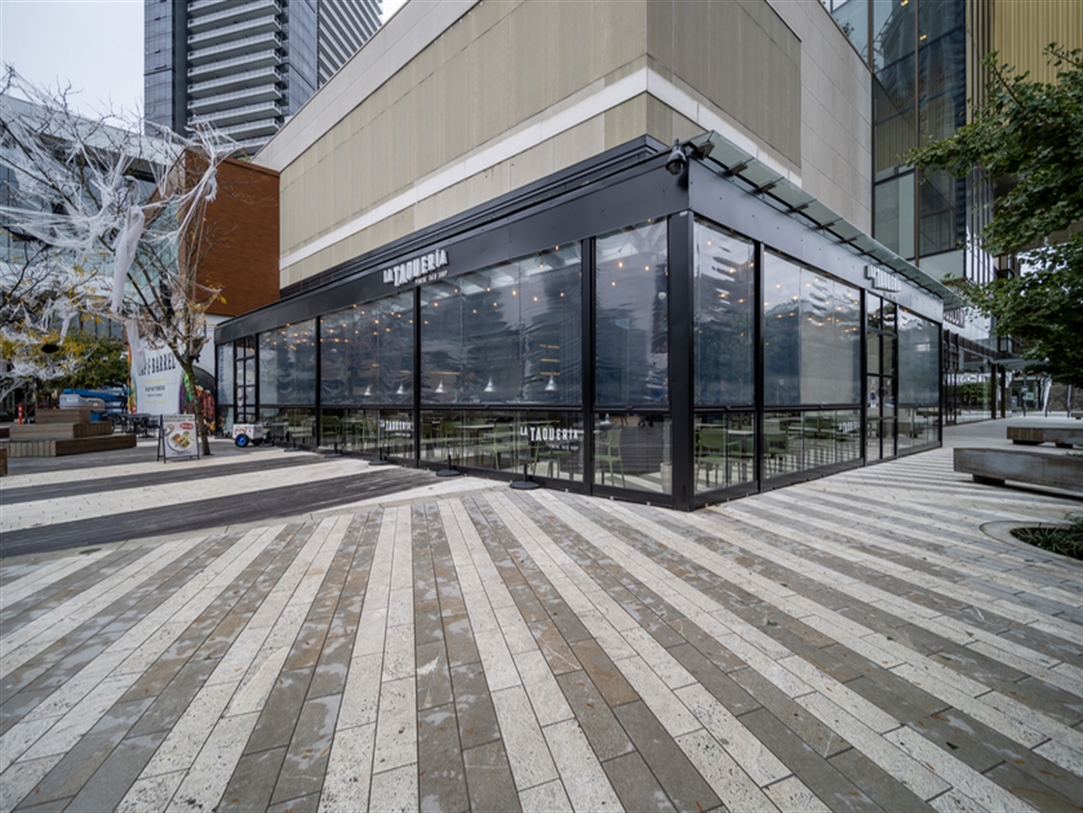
(1027, 137)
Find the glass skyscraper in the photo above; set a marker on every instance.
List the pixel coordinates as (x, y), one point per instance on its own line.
(245, 65)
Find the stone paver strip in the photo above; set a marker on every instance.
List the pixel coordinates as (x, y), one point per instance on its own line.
(481, 648)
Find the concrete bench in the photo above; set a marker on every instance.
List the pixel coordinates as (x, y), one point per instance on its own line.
(994, 466)
(1062, 434)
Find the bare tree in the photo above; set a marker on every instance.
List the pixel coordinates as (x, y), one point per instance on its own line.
(112, 225)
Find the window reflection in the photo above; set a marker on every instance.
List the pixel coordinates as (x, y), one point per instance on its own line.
(505, 334)
(632, 361)
(287, 364)
(724, 307)
(367, 353)
(633, 451)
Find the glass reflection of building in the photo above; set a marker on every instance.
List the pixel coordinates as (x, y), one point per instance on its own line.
(685, 344)
(925, 58)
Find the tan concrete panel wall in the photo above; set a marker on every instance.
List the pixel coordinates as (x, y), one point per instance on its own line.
(836, 113)
(1022, 28)
(742, 57)
(495, 81)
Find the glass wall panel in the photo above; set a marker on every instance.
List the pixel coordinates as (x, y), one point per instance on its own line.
(781, 331)
(548, 444)
(723, 297)
(225, 374)
(367, 353)
(632, 357)
(725, 450)
(633, 451)
(505, 334)
(291, 426)
(812, 336)
(287, 365)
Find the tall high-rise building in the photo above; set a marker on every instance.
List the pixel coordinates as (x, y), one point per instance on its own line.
(245, 65)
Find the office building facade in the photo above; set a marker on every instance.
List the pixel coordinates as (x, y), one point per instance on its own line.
(245, 65)
(493, 258)
(926, 57)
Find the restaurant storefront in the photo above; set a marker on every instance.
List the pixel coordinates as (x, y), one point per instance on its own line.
(676, 334)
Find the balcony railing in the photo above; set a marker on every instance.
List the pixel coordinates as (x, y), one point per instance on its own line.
(259, 59)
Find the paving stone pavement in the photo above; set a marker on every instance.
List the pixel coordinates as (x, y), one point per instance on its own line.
(853, 643)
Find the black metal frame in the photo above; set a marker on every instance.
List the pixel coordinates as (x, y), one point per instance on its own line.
(623, 186)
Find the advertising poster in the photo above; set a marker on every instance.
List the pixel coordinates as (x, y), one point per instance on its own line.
(178, 437)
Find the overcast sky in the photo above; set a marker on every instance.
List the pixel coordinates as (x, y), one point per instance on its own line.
(95, 45)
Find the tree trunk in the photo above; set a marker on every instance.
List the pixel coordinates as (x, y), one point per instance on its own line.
(188, 366)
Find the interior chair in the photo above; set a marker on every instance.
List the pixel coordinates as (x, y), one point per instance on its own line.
(711, 453)
(607, 454)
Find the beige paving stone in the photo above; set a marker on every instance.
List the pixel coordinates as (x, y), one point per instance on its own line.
(183, 743)
(360, 699)
(528, 755)
(349, 769)
(541, 687)
(547, 798)
(22, 777)
(48, 574)
(17, 739)
(396, 725)
(954, 801)
(395, 790)
(81, 717)
(917, 777)
(399, 652)
(964, 779)
(584, 780)
(1068, 758)
(206, 779)
(753, 756)
(151, 793)
(793, 796)
(734, 787)
(670, 711)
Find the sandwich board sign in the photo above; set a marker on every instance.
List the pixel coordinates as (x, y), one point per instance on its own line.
(177, 437)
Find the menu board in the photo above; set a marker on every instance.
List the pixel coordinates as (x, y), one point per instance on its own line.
(178, 437)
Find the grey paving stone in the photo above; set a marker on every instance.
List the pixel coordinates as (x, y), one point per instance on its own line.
(459, 638)
(896, 629)
(173, 701)
(558, 654)
(51, 806)
(441, 775)
(108, 785)
(729, 694)
(880, 685)
(305, 765)
(428, 623)
(1064, 706)
(81, 762)
(880, 786)
(979, 667)
(331, 669)
(1051, 645)
(830, 786)
(19, 705)
(252, 782)
(603, 731)
(304, 804)
(707, 645)
(488, 778)
(433, 677)
(678, 777)
(276, 723)
(571, 628)
(1061, 791)
(307, 646)
(635, 785)
(822, 739)
(604, 673)
(473, 706)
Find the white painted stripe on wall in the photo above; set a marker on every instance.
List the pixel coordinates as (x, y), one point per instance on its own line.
(606, 98)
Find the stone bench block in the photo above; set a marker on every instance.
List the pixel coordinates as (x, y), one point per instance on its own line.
(61, 448)
(1030, 435)
(994, 466)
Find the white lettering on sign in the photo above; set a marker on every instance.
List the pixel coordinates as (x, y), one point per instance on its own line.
(551, 434)
(415, 269)
(881, 279)
(397, 426)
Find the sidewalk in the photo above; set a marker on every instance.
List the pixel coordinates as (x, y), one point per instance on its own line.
(858, 642)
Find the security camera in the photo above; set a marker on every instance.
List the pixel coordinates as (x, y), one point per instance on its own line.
(677, 159)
